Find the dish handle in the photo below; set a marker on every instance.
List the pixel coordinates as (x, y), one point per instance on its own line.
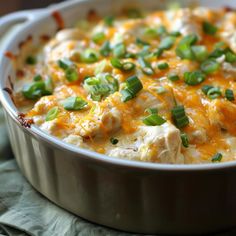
(20, 17)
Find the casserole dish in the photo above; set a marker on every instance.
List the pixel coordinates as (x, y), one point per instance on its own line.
(132, 196)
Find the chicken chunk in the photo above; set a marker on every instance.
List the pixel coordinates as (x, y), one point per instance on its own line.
(222, 113)
(185, 22)
(151, 143)
(101, 122)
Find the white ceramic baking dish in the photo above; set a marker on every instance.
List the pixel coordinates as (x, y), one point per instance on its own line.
(126, 195)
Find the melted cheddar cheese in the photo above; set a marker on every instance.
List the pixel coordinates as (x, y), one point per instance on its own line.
(86, 64)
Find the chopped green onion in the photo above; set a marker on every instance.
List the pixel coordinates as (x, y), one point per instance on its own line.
(167, 42)
(74, 103)
(48, 86)
(64, 63)
(230, 56)
(146, 66)
(217, 157)
(151, 32)
(70, 69)
(145, 52)
(141, 42)
(152, 110)
(109, 20)
(98, 37)
(100, 86)
(105, 49)
(37, 89)
(218, 52)
(71, 74)
(133, 86)
(116, 63)
(153, 120)
(208, 28)
(194, 78)
(214, 93)
(37, 78)
(114, 141)
(130, 55)
(206, 88)
(173, 77)
(89, 56)
(163, 66)
(190, 39)
(119, 50)
(134, 13)
(210, 66)
(31, 60)
(52, 114)
(128, 66)
(158, 52)
(200, 52)
(219, 45)
(184, 51)
(184, 139)
(179, 117)
(229, 94)
(161, 30)
(175, 33)
(161, 90)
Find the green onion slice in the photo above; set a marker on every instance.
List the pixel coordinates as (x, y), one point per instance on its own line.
(210, 66)
(37, 78)
(163, 66)
(133, 86)
(109, 20)
(179, 117)
(65, 63)
(52, 114)
(229, 94)
(230, 56)
(37, 89)
(206, 88)
(115, 62)
(152, 110)
(119, 50)
(98, 37)
(153, 120)
(173, 77)
(114, 141)
(31, 60)
(200, 52)
(141, 42)
(208, 28)
(89, 56)
(105, 49)
(161, 31)
(101, 86)
(74, 103)
(217, 157)
(194, 78)
(146, 66)
(214, 93)
(167, 42)
(184, 49)
(185, 141)
(128, 66)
